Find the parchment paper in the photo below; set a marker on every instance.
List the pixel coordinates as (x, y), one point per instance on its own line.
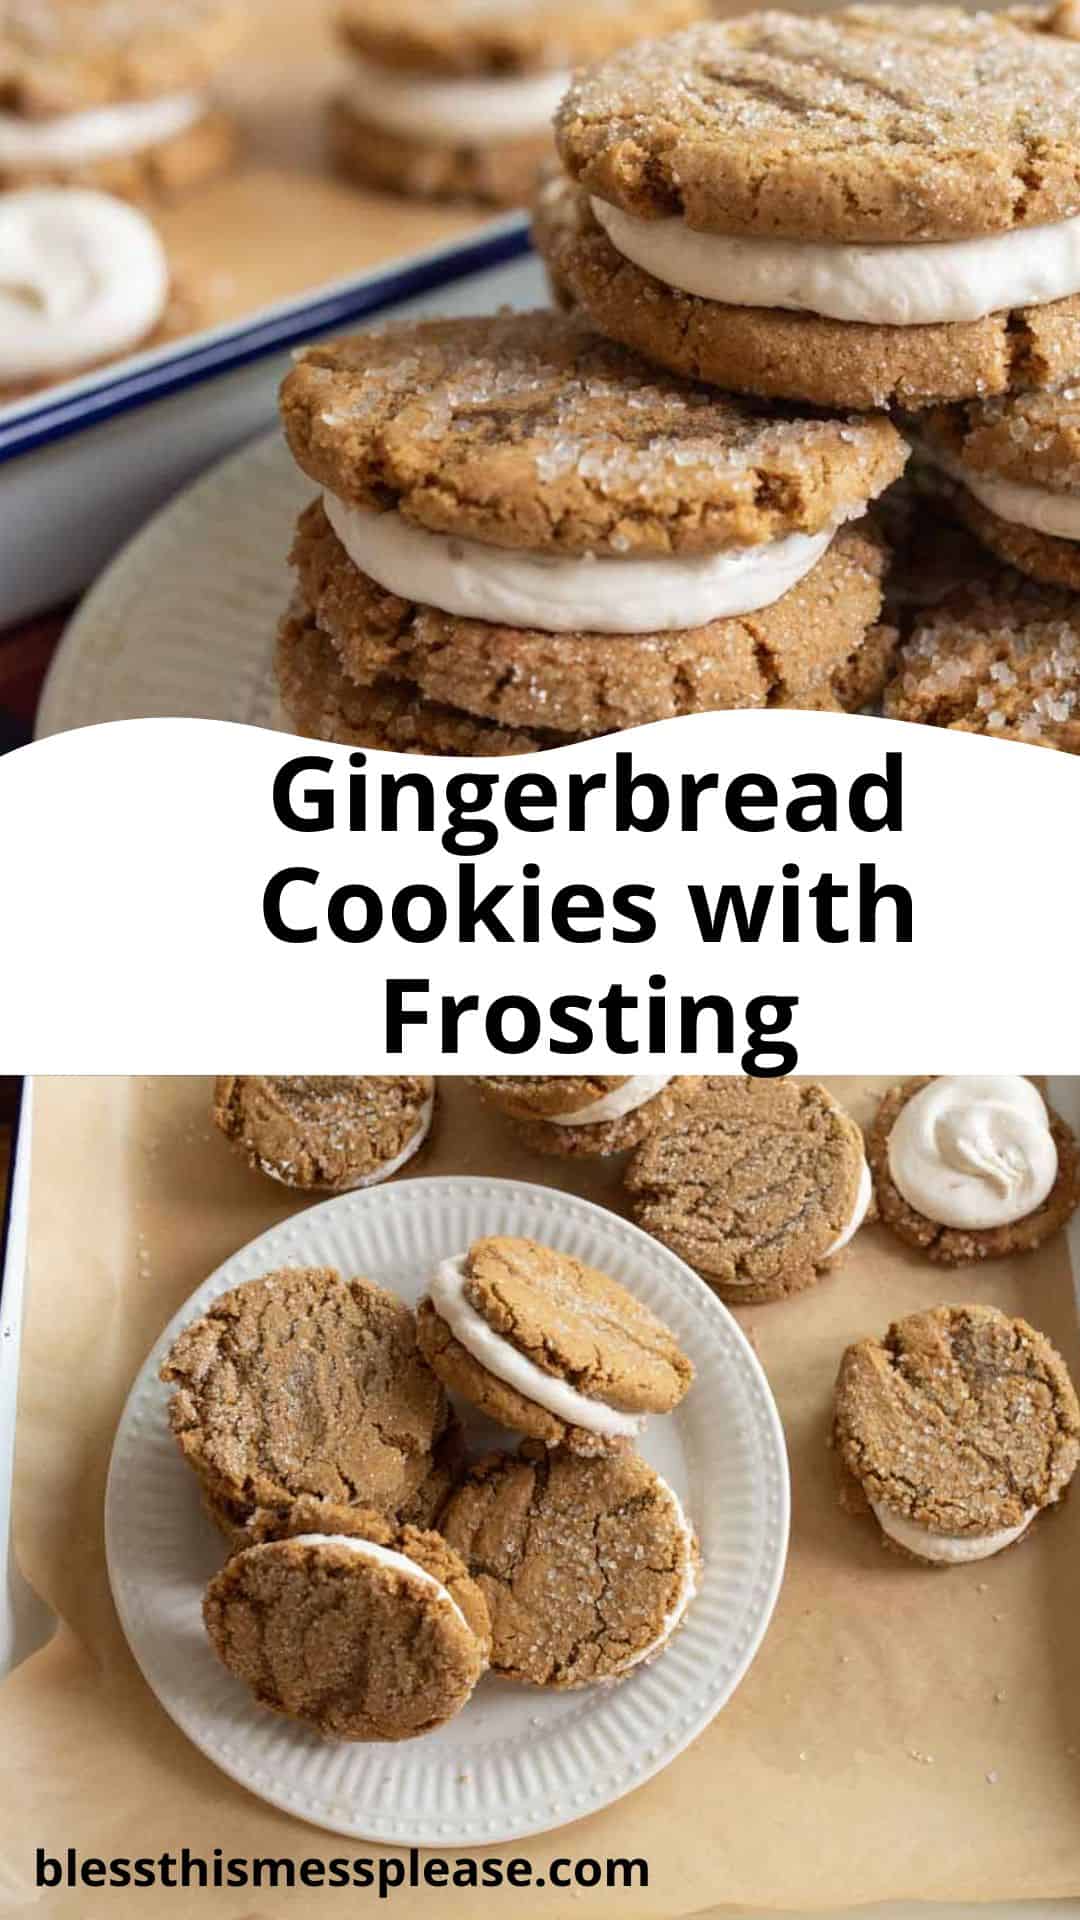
(902, 1734)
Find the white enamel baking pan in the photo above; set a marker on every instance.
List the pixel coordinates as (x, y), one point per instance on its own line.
(84, 464)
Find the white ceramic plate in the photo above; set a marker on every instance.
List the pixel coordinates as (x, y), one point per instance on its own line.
(516, 1760)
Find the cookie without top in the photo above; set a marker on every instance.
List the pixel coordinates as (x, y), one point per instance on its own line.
(587, 1566)
(548, 1346)
(302, 1383)
(325, 1132)
(754, 1183)
(526, 430)
(955, 1246)
(376, 1634)
(958, 1429)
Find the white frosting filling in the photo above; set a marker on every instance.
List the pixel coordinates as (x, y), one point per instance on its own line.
(82, 277)
(633, 1094)
(515, 1369)
(862, 1204)
(566, 594)
(912, 285)
(1057, 514)
(100, 133)
(383, 1557)
(951, 1549)
(467, 112)
(687, 1591)
(974, 1151)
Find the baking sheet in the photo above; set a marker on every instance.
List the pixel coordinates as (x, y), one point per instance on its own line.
(903, 1734)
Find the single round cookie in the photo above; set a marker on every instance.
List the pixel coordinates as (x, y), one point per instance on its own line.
(548, 1346)
(1000, 1169)
(999, 656)
(302, 1383)
(325, 1133)
(528, 431)
(580, 1115)
(116, 98)
(1009, 468)
(803, 650)
(796, 356)
(320, 701)
(587, 1566)
(374, 1634)
(758, 1184)
(956, 1430)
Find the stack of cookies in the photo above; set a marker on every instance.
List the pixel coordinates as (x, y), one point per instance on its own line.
(526, 536)
(372, 1579)
(874, 207)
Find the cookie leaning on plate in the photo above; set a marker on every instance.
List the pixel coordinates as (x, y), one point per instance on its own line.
(972, 1167)
(447, 99)
(521, 521)
(587, 1567)
(851, 208)
(304, 1385)
(548, 1346)
(758, 1184)
(580, 1115)
(372, 1634)
(328, 1133)
(114, 97)
(957, 1430)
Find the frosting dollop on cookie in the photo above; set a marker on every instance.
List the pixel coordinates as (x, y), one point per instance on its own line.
(82, 277)
(974, 1151)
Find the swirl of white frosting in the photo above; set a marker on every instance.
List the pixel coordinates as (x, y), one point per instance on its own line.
(974, 1151)
(82, 277)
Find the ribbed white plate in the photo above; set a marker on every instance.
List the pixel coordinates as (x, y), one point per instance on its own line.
(516, 1760)
(182, 624)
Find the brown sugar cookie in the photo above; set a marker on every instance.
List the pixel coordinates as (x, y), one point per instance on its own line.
(1009, 467)
(548, 1346)
(580, 1115)
(374, 1634)
(304, 1384)
(999, 656)
(587, 1566)
(804, 357)
(326, 1133)
(758, 1184)
(972, 1168)
(451, 100)
(957, 1430)
(115, 97)
(804, 650)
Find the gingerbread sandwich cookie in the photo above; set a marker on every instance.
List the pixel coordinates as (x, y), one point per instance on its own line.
(374, 1634)
(118, 98)
(328, 1133)
(1009, 468)
(758, 1184)
(998, 655)
(521, 521)
(579, 1115)
(447, 99)
(858, 207)
(549, 1347)
(588, 1567)
(305, 1385)
(956, 1431)
(971, 1167)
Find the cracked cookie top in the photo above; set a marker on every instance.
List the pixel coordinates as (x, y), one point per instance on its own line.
(865, 124)
(451, 37)
(587, 1565)
(61, 56)
(302, 1383)
(961, 1419)
(329, 1131)
(363, 1646)
(527, 430)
